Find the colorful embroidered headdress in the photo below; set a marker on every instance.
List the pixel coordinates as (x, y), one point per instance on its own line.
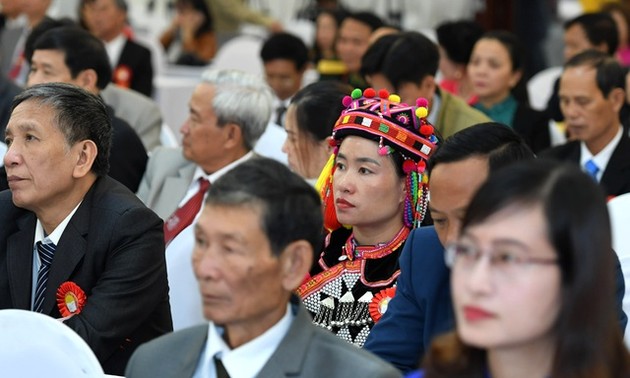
(398, 128)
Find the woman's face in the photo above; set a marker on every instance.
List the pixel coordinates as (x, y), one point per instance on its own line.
(500, 303)
(326, 31)
(491, 71)
(368, 191)
(306, 155)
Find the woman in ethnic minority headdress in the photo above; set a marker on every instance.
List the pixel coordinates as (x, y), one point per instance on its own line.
(375, 191)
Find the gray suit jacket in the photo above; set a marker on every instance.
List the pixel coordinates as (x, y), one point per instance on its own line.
(166, 180)
(140, 112)
(305, 351)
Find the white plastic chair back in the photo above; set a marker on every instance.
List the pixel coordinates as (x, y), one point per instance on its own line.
(619, 209)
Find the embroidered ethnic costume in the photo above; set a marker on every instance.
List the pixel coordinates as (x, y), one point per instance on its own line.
(350, 285)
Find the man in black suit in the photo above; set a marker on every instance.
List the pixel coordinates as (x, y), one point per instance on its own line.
(74, 243)
(131, 62)
(71, 55)
(592, 92)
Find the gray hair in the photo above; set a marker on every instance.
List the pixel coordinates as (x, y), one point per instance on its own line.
(241, 98)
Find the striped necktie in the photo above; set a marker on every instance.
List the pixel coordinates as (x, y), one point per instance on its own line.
(46, 253)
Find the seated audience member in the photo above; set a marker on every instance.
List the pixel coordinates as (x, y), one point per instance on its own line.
(141, 112)
(422, 308)
(406, 63)
(327, 25)
(455, 43)
(592, 93)
(495, 70)
(620, 12)
(309, 124)
(8, 90)
(254, 242)
(190, 38)
(229, 111)
(532, 281)
(75, 244)
(375, 185)
(352, 42)
(285, 58)
(72, 55)
(130, 61)
(588, 31)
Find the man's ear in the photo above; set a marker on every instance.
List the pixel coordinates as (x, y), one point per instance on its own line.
(296, 261)
(86, 152)
(617, 97)
(233, 135)
(88, 79)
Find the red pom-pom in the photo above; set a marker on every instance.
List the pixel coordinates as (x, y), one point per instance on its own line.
(347, 100)
(409, 166)
(426, 130)
(369, 93)
(422, 102)
(422, 165)
(383, 93)
(332, 142)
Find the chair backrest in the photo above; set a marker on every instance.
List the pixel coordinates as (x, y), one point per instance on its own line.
(540, 87)
(619, 210)
(36, 345)
(240, 53)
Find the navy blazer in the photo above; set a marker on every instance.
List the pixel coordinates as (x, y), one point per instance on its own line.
(422, 309)
(113, 249)
(135, 60)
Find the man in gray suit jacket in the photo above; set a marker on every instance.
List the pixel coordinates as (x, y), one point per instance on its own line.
(229, 111)
(254, 244)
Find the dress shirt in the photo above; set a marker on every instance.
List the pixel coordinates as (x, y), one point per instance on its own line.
(602, 158)
(183, 287)
(247, 360)
(40, 235)
(114, 49)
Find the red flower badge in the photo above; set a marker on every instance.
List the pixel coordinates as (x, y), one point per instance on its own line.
(378, 305)
(70, 298)
(122, 76)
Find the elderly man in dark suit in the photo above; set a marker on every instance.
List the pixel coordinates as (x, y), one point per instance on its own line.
(74, 243)
(254, 244)
(591, 96)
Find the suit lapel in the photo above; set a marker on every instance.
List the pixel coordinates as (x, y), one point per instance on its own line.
(174, 190)
(289, 357)
(615, 176)
(20, 261)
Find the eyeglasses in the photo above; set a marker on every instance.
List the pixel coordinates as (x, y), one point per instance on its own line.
(506, 261)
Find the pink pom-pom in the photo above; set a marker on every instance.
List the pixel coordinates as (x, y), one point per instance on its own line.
(383, 151)
(422, 165)
(422, 102)
(347, 100)
(383, 93)
(369, 93)
(409, 166)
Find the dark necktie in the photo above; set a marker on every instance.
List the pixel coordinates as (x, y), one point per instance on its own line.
(184, 216)
(221, 372)
(280, 110)
(46, 253)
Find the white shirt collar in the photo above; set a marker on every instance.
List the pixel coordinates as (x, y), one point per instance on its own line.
(199, 173)
(114, 49)
(247, 360)
(57, 232)
(602, 158)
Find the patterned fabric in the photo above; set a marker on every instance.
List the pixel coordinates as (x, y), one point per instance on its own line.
(46, 253)
(184, 216)
(347, 281)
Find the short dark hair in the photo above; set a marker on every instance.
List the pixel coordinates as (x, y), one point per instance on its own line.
(578, 229)
(599, 27)
(82, 51)
(406, 57)
(285, 46)
(499, 143)
(80, 115)
(120, 4)
(367, 18)
(458, 38)
(291, 208)
(41, 28)
(609, 73)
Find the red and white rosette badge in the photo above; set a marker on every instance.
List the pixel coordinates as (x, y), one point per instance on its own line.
(379, 303)
(70, 298)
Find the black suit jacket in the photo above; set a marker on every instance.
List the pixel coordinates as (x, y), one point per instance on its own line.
(113, 249)
(533, 126)
(128, 157)
(616, 177)
(134, 69)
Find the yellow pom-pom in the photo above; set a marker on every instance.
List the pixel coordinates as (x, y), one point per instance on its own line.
(425, 179)
(394, 98)
(422, 112)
